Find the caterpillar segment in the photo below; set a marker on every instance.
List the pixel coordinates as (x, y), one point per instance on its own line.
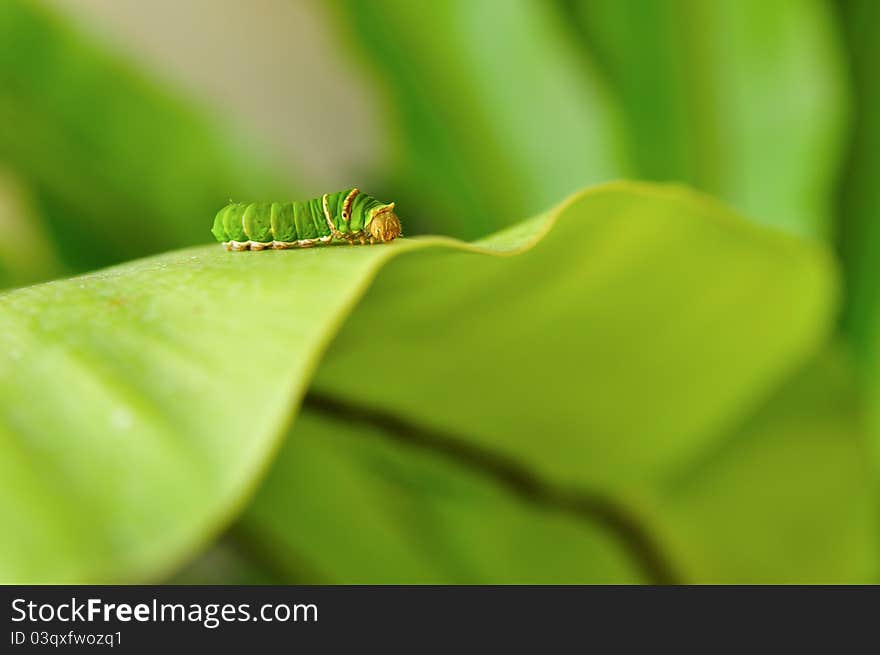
(345, 216)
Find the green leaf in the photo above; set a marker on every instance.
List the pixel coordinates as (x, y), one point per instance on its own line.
(859, 238)
(344, 503)
(120, 166)
(464, 81)
(785, 497)
(26, 255)
(790, 496)
(139, 405)
(744, 99)
(668, 318)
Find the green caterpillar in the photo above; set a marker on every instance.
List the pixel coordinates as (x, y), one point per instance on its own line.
(349, 216)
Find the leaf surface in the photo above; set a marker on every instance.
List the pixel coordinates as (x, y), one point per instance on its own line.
(785, 497)
(140, 405)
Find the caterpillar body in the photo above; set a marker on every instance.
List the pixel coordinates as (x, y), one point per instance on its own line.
(347, 216)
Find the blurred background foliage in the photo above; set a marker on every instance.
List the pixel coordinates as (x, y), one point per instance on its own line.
(126, 124)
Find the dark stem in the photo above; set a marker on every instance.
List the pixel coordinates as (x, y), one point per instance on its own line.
(591, 506)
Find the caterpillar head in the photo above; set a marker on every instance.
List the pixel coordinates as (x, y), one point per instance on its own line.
(384, 226)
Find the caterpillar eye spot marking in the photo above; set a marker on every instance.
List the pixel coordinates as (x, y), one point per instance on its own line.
(345, 216)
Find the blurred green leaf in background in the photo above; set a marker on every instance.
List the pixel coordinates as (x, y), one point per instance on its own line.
(120, 166)
(859, 229)
(744, 99)
(30, 255)
(465, 81)
(640, 385)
